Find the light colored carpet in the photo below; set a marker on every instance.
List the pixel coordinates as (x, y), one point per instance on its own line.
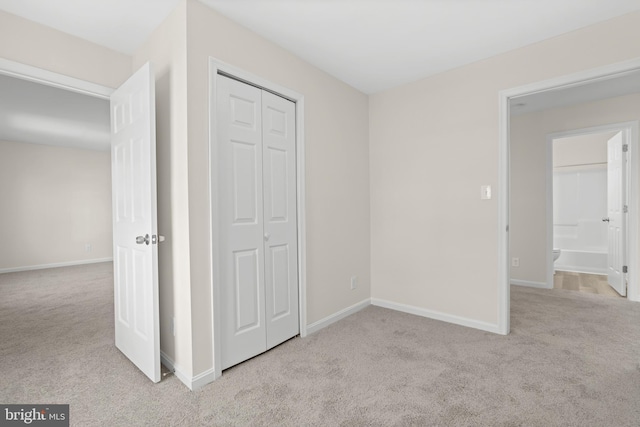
(571, 360)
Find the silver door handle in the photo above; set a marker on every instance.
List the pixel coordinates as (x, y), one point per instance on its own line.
(142, 239)
(605, 219)
(266, 237)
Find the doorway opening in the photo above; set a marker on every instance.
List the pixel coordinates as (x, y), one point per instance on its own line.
(558, 88)
(55, 131)
(131, 139)
(56, 168)
(589, 174)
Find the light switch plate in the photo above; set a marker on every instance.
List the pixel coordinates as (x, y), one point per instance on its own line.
(485, 192)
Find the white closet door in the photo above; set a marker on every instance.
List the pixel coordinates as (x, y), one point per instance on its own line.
(239, 112)
(281, 250)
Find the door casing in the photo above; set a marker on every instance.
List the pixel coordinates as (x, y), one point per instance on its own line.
(50, 78)
(504, 96)
(216, 68)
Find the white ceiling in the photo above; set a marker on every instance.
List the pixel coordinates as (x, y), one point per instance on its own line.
(370, 44)
(375, 45)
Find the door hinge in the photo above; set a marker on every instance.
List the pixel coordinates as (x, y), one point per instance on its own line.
(625, 269)
(625, 148)
(625, 209)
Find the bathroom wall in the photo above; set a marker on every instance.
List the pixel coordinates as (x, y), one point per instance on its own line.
(580, 202)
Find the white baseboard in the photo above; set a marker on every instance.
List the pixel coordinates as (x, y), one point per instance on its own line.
(55, 265)
(193, 383)
(531, 284)
(582, 269)
(202, 379)
(436, 315)
(169, 363)
(323, 323)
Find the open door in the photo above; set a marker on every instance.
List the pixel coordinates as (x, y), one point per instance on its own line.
(135, 250)
(615, 213)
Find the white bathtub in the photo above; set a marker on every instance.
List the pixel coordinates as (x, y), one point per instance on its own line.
(582, 261)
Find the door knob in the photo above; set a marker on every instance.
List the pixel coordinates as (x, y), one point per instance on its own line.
(142, 239)
(605, 219)
(266, 237)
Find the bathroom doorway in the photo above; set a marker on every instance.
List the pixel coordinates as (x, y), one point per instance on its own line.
(589, 201)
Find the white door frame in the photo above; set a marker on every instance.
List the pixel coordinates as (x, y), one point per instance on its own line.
(216, 68)
(50, 78)
(576, 79)
(630, 136)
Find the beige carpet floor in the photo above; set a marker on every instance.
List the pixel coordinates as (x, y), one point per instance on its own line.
(570, 360)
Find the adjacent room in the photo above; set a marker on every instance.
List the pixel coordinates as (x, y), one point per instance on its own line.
(56, 177)
(572, 181)
(313, 213)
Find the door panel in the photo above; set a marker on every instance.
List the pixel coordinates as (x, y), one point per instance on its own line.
(137, 331)
(615, 202)
(245, 188)
(120, 280)
(281, 240)
(278, 199)
(247, 291)
(281, 286)
(243, 330)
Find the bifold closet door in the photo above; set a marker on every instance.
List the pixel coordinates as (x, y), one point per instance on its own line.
(257, 211)
(281, 239)
(243, 326)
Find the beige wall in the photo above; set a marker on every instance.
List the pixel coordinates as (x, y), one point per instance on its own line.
(528, 227)
(33, 44)
(54, 202)
(581, 150)
(433, 143)
(337, 169)
(167, 50)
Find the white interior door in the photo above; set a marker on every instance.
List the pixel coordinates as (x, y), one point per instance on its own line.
(135, 254)
(258, 226)
(615, 213)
